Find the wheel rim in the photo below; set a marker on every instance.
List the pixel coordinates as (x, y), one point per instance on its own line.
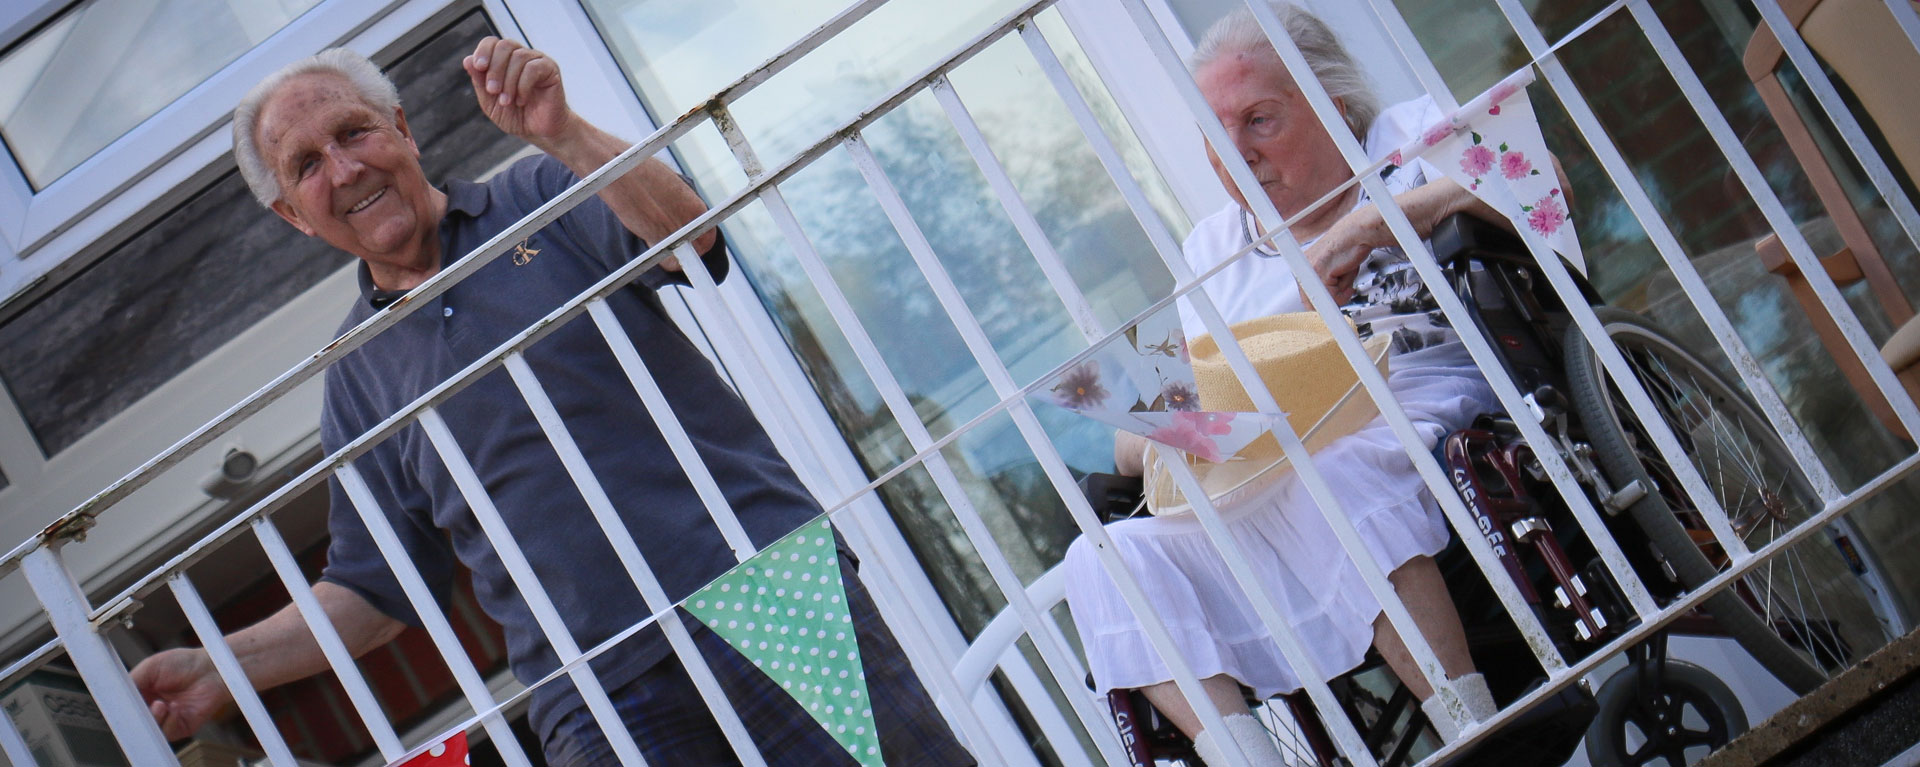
(1820, 595)
(1674, 727)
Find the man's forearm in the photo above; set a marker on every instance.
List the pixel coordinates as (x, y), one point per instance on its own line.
(651, 200)
(280, 649)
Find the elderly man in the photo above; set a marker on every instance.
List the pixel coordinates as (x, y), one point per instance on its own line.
(325, 144)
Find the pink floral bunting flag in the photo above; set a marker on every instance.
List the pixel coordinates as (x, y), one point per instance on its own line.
(1492, 146)
(1143, 383)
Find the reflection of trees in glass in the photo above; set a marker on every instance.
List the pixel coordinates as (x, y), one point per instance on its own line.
(1000, 282)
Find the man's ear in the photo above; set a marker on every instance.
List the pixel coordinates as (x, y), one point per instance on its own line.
(400, 123)
(292, 217)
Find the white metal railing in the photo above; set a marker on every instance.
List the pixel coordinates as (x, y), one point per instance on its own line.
(958, 681)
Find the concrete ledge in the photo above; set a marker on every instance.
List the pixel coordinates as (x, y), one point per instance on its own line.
(1834, 712)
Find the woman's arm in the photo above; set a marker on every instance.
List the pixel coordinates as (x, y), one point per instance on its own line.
(1338, 254)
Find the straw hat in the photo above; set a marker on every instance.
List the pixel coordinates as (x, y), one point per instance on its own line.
(1307, 375)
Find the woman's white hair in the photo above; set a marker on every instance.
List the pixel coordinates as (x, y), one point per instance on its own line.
(1239, 33)
(373, 87)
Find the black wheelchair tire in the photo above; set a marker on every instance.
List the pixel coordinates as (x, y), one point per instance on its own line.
(1605, 417)
(1623, 701)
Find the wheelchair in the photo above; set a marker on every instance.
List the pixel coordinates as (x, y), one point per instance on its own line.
(1821, 609)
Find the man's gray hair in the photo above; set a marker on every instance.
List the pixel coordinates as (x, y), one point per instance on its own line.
(1239, 33)
(373, 87)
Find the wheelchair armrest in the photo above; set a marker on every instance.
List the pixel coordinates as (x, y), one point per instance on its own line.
(1463, 236)
(1461, 239)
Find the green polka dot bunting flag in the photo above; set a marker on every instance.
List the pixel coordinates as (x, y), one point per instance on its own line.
(786, 611)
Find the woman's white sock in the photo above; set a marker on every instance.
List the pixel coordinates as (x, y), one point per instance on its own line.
(1473, 694)
(1249, 734)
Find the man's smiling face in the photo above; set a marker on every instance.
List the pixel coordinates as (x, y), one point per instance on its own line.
(350, 174)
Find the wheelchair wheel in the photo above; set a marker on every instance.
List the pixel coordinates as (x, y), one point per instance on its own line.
(1685, 716)
(1818, 606)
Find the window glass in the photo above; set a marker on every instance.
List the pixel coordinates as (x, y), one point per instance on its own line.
(678, 52)
(213, 267)
(97, 70)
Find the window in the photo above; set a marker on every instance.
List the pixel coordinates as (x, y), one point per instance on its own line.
(678, 53)
(76, 84)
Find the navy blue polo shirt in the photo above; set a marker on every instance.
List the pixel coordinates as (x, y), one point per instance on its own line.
(522, 474)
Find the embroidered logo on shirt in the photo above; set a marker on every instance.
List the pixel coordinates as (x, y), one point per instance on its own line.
(522, 255)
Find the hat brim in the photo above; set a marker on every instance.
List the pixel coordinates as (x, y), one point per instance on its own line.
(1260, 464)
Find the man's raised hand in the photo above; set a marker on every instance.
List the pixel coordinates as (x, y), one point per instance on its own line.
(519, 89)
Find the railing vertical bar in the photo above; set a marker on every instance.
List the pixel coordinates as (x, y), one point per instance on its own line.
(507, 549)
(668, 422)
(754, 383)
(624, 547)
(929, 661)
(1017, 211)
(1029, 686)
(339, 658)
(1103, 146)
(14, 746)
(1907, 18)
(1342, 527)
(1843, 117)
(100, 667)
(1771, 208)
(1001, 379)
(980, 741)
(472, 686)
(1395, 25)
(1060, 661)
(231, 672)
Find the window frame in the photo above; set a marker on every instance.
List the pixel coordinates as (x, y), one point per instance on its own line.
(52, 232)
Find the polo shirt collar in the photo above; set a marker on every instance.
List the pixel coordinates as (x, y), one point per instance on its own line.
(463, 197)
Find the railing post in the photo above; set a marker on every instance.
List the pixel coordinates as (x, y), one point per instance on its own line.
(99, 666)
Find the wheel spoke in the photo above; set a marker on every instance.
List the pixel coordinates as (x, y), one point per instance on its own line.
(1815, 594)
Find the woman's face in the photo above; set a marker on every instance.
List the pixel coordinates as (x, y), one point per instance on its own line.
(1275, 131)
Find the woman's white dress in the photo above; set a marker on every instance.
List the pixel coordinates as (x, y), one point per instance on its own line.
(1281, 531)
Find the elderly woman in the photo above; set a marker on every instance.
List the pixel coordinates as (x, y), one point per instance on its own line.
(1281, 529)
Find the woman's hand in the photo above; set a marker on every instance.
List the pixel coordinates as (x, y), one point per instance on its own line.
(1339, 253)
